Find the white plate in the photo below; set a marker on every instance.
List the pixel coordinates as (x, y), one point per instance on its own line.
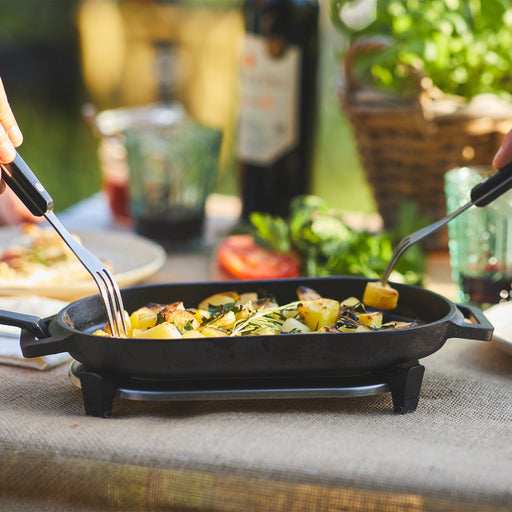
(500, 317)
(132, 257)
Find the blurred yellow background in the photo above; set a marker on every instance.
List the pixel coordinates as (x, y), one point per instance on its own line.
(103, 52)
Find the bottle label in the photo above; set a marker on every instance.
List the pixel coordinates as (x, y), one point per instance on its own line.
(268, 122)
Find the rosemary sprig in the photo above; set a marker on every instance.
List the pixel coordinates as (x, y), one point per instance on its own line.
(272, 317)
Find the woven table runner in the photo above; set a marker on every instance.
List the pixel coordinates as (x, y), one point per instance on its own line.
(453, 453)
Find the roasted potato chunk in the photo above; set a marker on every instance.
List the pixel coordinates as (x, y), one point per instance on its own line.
(211, 332)
(292, 324)
(143, 318)
(245, 311)
(371, 319)
(202, 315)
(164, 330)
(379, 296)
(245, 298)
(266, 331)
(192, 334)
(318, 313)
(226, 321)
(101, 332)
(305, 293)
(351, 303)
(181, 318)
(219, 299)
(358, 328)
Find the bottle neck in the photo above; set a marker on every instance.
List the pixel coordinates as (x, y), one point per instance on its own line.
(288, 19)
(165, 68)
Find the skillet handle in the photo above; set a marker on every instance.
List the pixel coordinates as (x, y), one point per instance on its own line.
(36, 339)
(35, 347)
(34, 324)
(481, 330)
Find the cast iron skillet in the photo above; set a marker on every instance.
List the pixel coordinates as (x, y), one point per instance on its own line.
(250, 356)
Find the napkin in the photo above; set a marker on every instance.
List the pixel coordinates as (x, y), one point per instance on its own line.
(10, 350)
(500, 316)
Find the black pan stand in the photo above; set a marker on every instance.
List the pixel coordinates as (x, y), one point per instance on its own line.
(100, 390)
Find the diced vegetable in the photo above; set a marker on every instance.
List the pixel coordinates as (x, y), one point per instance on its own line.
(379, 296)
(218, 300)
(294, 325)
(372, 319)
(226, 321)
(305, 293)
(164, 330)
(181, 318)
(143, 318)
(193, 334)
(231, 314)
(212, 332)
(318, 313)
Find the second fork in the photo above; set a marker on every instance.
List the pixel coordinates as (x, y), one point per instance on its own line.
(481, 195)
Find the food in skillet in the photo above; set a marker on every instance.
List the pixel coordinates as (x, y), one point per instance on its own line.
(40, 256)
(233, 314)
(379, 296)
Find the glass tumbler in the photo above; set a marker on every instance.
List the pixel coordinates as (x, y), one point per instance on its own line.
(173, 168)
(110, 125)
(480, 240)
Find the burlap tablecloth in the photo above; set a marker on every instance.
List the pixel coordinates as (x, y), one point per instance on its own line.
(453, 453)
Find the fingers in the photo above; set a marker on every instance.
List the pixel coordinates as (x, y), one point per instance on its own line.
(13, 211)
(10, 134)
(504, 154)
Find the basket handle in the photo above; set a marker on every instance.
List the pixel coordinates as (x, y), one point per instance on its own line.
(426, 91)
(359, 47)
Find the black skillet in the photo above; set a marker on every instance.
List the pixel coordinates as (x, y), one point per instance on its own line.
(286, 354)
(317, 354)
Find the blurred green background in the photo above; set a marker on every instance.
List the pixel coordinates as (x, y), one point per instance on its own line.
(40, 64)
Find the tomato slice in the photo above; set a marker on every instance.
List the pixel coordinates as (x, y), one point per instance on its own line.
(243, 258)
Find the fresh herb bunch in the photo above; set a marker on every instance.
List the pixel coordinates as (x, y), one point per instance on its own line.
(463, 46)
(326, 245)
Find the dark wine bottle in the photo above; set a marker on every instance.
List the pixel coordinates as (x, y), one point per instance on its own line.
(278, 103)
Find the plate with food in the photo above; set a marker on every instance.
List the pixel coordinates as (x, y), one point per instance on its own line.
(34, 260)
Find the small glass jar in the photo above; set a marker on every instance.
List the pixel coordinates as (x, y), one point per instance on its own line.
(112, 151)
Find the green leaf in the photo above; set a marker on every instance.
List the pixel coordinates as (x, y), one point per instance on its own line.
(327, 246)
(448, 39)
(271, 232)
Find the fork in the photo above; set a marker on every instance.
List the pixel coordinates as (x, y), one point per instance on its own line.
(24, 183)
(481, 195)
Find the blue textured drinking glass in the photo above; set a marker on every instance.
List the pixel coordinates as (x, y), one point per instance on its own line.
(173, 168)
(480, 240)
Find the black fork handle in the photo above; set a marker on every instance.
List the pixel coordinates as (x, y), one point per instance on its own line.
(25, 184)
(480, 194)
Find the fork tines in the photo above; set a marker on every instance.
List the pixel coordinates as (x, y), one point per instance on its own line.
(107, 285)
(111, 295)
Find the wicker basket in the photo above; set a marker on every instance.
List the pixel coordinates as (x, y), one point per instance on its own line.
(407, 145)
